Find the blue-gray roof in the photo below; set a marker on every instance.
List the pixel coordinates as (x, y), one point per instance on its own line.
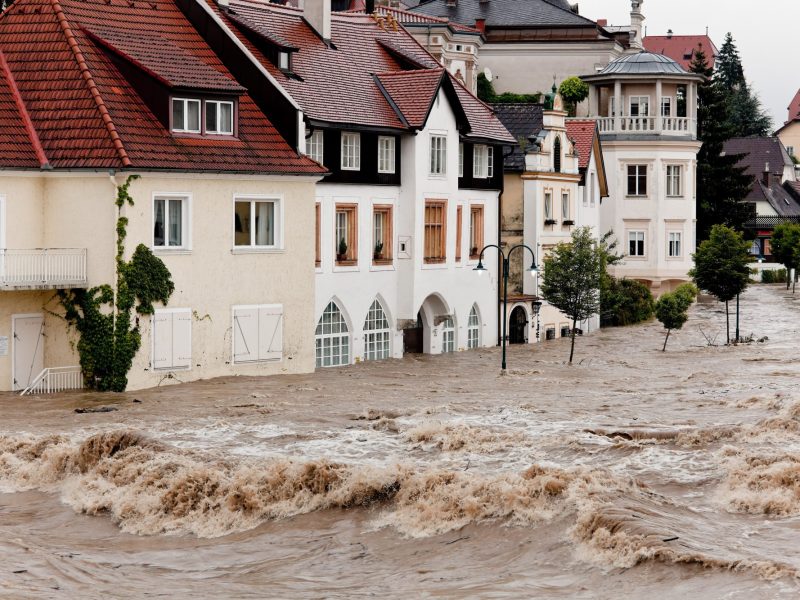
(506, 13)
(523, 121)
(643, 63)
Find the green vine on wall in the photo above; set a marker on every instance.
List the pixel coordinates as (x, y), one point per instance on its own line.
(109, 337)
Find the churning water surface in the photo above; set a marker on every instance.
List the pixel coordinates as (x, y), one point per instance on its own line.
(632, 473)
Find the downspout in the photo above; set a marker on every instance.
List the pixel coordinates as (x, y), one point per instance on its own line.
(500, 243)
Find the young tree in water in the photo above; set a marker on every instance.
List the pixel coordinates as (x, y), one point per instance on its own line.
(572, 276)
(786, 249)
(721, 267)
(672, 308)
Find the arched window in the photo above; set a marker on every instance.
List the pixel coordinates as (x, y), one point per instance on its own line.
(448, 336)
(377, 335)
(473, 329)
(557, 155)
(333, 338)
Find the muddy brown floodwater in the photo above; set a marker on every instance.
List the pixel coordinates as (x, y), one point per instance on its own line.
(633, 473)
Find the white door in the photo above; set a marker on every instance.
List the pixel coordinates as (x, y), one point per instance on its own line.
(28, 348)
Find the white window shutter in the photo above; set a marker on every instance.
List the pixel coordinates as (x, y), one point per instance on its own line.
(245, 335)
(162, 340)
(182, 339)
(270, 332)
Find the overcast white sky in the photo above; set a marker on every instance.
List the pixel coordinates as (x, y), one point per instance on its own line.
(765, 33)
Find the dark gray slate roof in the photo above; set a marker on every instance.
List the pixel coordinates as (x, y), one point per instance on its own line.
(780, 199)
(756, 153)
(643, 63)
(506, 13)
(523, 121)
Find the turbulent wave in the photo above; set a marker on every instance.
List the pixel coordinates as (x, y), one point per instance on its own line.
(458, 436)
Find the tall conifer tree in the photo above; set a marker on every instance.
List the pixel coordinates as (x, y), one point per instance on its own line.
(721, 184)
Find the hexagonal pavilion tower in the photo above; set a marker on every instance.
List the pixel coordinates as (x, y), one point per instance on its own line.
(646, 108)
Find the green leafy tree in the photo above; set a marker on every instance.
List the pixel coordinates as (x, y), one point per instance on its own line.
(786, 249)
(103, 316)
(721, 267)
(722, 185)
(485, 89)
(672, 308)
(572, 275)
(574, 91)
(625, 302)
(746, 115)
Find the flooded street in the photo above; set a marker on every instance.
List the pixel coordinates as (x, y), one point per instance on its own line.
(633, 473)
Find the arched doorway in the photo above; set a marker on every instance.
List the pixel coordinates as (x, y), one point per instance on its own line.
(412, 337)
(377, 334)
(332, 338)
(518, 326)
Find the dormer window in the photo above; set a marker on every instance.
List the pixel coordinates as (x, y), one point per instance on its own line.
(203, 117)
(219, 117)
(185, 115)
(284, 63)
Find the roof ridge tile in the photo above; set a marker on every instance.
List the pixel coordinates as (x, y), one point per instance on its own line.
(87, 77)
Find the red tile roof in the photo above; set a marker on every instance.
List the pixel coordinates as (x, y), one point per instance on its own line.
(163, 60)
(681, 48)
(19, 145)
(794, 107)
(413, 92)
(336, 83)
(88, 115)
(582, 132)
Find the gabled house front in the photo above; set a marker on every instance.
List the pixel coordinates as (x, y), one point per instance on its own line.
(93, 91)
(414, 162)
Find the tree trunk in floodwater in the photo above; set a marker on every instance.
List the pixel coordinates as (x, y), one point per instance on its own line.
(572, 347)
(727, 322)
(666, 339)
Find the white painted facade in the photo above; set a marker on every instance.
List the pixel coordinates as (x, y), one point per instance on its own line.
(407, 286)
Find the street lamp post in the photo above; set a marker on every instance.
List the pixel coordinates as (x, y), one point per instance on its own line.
(480, 269)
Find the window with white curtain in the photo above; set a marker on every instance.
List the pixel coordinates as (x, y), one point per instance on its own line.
(674, 249)
(438, 155)
(171, 223)
(315, 146)
(674, 187)
(256, 223)
(351, 151)
(386, 154)
(377, 334)
(480, 161)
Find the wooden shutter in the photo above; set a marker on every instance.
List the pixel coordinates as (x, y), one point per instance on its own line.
(162, 340)
(270, 332)
(182, 339)
(245, 335)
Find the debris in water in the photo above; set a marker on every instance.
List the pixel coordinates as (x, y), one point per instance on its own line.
(96, 409)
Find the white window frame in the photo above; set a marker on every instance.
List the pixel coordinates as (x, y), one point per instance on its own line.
(351, 151)
(461, 159)
(638, 104)
(671, 241)
(259, 308)
(480, 161)
(474, 329)
(284, 62)
(490, 162)
(637, 193)
(377, 341)
(437, 163)
(566, 206)
(186, 211)
(218, 129)
(448, 335)
(637, 232)
(671, 181)
(668, 101)
(386, 154)
(548, 205)
(315, 146)
(338, 335)
(173, 312)
(279, 224)
(183, 128)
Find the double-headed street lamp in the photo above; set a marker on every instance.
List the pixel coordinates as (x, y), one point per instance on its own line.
(480, 269)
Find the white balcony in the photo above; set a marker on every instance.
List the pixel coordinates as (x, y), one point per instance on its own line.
(42, 268)
(682, 126)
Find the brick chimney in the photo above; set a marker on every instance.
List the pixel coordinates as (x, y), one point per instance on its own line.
(318, 14)
(669, 34)
(602, 22)
(767, 177)
(480, 25)
(452, 3)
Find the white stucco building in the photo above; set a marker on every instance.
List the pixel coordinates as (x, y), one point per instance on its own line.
(646, 106)
(413, 184)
